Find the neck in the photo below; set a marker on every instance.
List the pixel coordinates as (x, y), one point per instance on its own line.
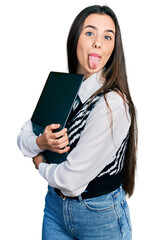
(86, 74)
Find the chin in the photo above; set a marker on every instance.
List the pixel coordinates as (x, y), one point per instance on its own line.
(88, 71)
(94, 70)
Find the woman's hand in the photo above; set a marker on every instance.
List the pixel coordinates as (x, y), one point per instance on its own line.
(54, 141)
(38, 159)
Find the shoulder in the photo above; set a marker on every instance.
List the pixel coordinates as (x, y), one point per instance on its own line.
(113, 101)
(116, 98)
(114, 105)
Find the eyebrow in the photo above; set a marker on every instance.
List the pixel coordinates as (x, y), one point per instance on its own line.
(95, 28)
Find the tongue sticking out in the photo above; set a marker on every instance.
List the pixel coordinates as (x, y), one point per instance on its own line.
(93, 61)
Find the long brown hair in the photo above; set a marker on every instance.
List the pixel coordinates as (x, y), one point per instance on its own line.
(114, 73)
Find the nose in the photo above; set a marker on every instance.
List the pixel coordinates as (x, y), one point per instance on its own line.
(97, 43)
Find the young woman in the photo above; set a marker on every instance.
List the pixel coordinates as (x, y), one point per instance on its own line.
(86, 194)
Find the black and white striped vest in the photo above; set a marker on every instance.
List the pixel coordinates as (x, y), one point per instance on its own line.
(109, 178)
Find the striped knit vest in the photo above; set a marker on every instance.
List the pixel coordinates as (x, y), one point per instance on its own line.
(109, 178)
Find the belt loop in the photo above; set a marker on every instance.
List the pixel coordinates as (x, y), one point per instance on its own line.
(80, 198)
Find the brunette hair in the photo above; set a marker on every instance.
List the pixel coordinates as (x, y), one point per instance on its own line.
(115, 76)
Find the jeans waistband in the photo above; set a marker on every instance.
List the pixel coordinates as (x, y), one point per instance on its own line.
(87, 195)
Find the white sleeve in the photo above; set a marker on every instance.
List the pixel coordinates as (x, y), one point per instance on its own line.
(26, 141)
(96, 148)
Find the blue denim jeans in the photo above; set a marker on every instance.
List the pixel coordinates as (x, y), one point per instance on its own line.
(101, 218)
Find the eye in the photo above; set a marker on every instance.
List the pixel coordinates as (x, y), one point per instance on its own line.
(107, 37)
(89, 34)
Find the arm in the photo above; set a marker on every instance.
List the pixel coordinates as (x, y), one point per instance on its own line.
(31, 145)
(26, 141)
(95, 149)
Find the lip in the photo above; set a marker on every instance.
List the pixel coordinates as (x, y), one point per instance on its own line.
(95, 55)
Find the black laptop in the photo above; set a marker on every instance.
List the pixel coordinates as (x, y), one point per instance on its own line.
(54, 106)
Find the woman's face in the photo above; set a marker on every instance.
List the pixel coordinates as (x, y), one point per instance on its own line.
(95, 43)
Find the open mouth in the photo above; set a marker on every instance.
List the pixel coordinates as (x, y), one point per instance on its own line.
(94, 60)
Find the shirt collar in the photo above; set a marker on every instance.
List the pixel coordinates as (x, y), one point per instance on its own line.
(89, 86)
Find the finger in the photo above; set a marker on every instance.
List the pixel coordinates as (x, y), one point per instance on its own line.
(62, 145)
(66, 149)
(61, 151)
(60, 133)
(53, 126)
(60, 140)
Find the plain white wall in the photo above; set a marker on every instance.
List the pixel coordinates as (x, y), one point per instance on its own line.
(32, 43)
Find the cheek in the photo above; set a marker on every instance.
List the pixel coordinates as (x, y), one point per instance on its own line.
(106, 58)
(82, 47)
(79, 50)
(108, 52)
(81, 55)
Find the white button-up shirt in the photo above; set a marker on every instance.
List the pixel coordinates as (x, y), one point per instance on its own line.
(97, 145)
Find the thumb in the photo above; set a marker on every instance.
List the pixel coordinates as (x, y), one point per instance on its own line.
(54, 126)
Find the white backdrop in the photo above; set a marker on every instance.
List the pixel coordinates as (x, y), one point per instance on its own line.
(32, 43)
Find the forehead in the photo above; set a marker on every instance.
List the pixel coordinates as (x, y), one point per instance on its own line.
(103, 21)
